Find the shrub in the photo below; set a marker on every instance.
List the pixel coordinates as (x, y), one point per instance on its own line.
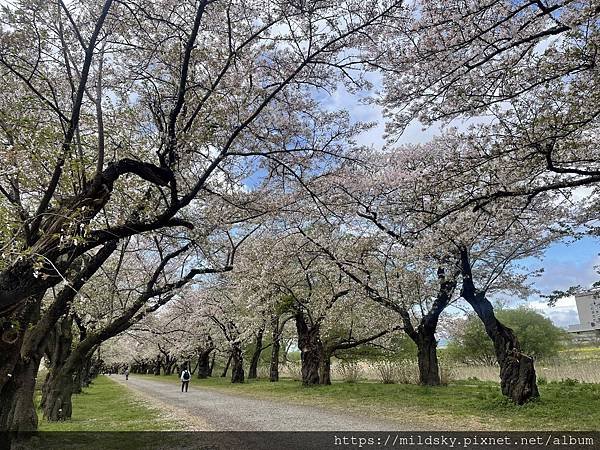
(447, 373)
(569, 381)
(408, 372)
(349, 371)
(537, 334)
(397, 371)
(387, 371)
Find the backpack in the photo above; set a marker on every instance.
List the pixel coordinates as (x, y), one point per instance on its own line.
(186, 375)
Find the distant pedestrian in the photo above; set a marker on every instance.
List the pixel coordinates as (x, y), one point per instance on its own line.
(126, 374)
(185, 379)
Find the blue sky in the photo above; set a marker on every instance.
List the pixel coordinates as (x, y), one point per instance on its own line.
(566, 265)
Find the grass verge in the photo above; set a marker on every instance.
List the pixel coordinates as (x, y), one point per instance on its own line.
(108, 406)
(464, 405)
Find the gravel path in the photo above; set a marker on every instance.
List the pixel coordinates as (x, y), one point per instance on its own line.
(217, 411)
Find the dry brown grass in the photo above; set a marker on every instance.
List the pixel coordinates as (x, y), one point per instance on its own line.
(584, 371)
(581, 364)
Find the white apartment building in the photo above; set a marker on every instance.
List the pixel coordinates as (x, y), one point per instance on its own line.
(588, 309)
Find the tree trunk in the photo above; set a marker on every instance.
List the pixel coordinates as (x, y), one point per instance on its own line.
(57, 353)
(253, 370)
(517, 372)
(237, 368)
(224, 374)
(157, 364)
(276, 338)
(12, 335)
(204, 363)
(311, 350)
(169, 363)
(325, 376)
(424, 335)
(18, 411)
(429, 373)
(87, 372)
(58, 391)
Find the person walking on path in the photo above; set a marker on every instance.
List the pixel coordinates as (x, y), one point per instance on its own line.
(127, 374)
(185, 379)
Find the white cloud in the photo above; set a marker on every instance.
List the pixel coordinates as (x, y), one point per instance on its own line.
(563, 314)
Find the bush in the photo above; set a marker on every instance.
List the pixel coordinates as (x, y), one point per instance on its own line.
(447, 373)
(349, 371)
(569, 381)
(394, 371)
(537, 334)
(387, 371)
(408, 372)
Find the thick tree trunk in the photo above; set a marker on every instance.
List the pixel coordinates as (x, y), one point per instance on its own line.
(169, 363)
(87, 372)
(237, 359)
(424, 335)
(276, 343)
(311, 350)
(253, 370)
(9, 357)
(226, 369)
(78, 381)
(60, 384)
(18, 410)
(157, 364)
(58, 391)
(517, 372)
(12, 335)
(57, 352)
(204, 363)
(429, 372)
(325, 375)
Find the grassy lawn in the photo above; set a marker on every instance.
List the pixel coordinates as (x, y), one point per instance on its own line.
(474, 405)
(108, 406)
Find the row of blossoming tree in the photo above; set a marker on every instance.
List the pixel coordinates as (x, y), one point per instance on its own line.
(180, 167)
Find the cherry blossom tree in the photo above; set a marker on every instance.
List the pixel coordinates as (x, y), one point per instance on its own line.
(401, 195)
(118, 118)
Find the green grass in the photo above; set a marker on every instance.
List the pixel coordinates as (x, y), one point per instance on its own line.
(474, 405)
(108, 406)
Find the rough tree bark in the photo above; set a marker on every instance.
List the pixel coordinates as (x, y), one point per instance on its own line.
(17, 373)
(276, 343)
(18, 410)
(253, 370)
(325, 368)
(424, 335)
(517, 371)
(204, 369)
(57, 390)
(237, 359)
(311, 350)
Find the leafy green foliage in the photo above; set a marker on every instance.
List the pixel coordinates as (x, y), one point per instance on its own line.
(537, 334)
